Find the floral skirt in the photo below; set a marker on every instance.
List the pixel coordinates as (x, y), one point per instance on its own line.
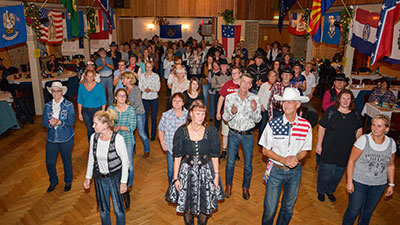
(198, 193)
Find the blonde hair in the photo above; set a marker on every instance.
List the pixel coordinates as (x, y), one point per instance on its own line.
(89, 71)
(384, 118)
(129, 75)
(109, 117)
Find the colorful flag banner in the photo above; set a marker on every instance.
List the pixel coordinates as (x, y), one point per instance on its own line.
(388, 34)
(72, 8)
(230, 36)
(12, 25)
(284, 7)
(81, 26)
(105, 25)
(297, 26)
(364, 31)
(52, 30)
(331, 34)
(318, 10)
(106, 8)
(171, 31)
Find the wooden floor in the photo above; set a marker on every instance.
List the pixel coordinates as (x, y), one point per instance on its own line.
(24, 180)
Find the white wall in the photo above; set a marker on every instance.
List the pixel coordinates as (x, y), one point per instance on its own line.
(140, 29)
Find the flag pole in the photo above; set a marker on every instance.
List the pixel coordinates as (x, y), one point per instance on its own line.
(44, 3)
(347, 10)
(301, 7)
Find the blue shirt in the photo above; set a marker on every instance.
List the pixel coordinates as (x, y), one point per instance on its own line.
(299, 79)
(116, 74)
(106, 71)
(169, 123)
(93, 98)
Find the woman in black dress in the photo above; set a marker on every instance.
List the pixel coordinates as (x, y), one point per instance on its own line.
(196, 185)
(193, 93)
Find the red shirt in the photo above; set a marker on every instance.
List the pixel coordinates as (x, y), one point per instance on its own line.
(228, 88)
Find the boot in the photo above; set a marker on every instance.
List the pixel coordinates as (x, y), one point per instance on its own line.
(223, 155)
(228, 191)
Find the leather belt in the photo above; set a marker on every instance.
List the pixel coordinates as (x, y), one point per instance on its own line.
(199, 160)
(284, 168)
(246, 132)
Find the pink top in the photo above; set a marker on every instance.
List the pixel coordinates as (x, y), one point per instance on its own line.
(326, 100)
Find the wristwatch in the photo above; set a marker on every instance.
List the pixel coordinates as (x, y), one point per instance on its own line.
(391, 184)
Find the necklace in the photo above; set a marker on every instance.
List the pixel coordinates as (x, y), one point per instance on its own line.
(196, 130)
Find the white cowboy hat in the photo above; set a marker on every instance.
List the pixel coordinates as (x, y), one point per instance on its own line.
(57, 84)
(292, 94)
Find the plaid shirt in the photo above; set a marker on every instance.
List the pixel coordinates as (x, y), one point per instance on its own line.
(128, 119)
(277, 89)
(169, 123)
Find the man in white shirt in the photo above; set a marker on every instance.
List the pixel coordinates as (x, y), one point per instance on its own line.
(285, 140)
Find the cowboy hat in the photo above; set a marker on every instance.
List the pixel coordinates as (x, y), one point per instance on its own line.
(57, 84)
(291, 94)
(341, 77)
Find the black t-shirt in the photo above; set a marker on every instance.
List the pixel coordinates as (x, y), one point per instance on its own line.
(189, 100)
(340, 135)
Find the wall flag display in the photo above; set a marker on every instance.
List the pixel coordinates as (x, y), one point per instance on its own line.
(12, 25)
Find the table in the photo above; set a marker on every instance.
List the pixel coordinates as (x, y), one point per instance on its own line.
(357, 88)
(361, 77)
(371, 109)
(6, 96)
(64, 77)
(7, 118)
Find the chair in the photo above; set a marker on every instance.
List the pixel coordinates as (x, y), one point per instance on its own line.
(395, 120)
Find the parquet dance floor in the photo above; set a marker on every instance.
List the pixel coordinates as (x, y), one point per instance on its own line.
(24, 180)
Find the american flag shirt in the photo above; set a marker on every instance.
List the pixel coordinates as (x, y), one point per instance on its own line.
(285, 138)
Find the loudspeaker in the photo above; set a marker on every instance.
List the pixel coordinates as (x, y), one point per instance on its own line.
(119, 4)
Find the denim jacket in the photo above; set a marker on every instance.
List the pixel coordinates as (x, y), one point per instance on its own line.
(64, 131)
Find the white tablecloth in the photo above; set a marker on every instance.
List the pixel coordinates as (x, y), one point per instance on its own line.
(373, 110)
(356, 91)
(362, 77)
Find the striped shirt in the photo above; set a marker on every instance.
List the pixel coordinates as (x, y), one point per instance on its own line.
(128, 119)
(169, 123)
(273, 104)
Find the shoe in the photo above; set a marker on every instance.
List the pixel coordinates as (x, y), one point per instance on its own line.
(246, 194)
(67, 187)
(223, 155)
(129, 188)
(321, 197)
(331, 197)
(51, 187)
(228, 191)
(152, 138)
(237, 156)
(316, 168)
(146, 155)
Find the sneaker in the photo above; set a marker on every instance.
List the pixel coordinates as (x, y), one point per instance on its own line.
(321, 197)
(331, 197)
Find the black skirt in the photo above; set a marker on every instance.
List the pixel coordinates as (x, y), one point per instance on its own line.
(198, 193)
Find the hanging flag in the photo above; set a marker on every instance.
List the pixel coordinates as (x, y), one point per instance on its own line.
(105, 25)
(71, 7)
(318, 10)
(12, 25)
(52, 29)
(106, 7)
(284, 7)
(230, 36)
(171, 31)
(388, 34)
(81, 24)
(364, 31)
(99, 20)
(331, 34)
(297, 26)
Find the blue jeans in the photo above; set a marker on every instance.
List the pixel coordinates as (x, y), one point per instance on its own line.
(363, 200)
(140, 121)
(88, 114)
(278, 179)
(329, 176)
(205, 92)
(52, 150)
(170, 167)
(263, 123)
(107, 83)
(153, 106)
(234, 141)
(211, 105)
(111, 186)
(129, 149)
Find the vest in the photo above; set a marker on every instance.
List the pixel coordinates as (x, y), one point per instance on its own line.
(332, 91)
(371, 167)
(114, 161)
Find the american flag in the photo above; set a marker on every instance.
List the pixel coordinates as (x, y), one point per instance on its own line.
(299, 129)
(52, 30)
(106, 7)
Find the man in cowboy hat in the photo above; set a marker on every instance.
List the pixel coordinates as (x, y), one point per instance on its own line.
(330, 95)
(114, 54)
(258, 71)
(285, 140)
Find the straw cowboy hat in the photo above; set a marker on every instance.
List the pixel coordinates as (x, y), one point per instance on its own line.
(292, 94)
(57, 84)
